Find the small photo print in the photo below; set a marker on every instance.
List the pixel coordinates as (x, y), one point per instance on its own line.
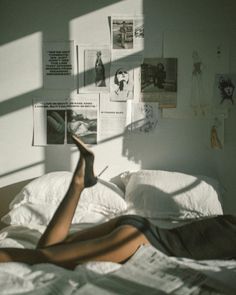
(55, 126)
(139, 28)
(159, 81)
(96, 69)
(224, 90)
(122, 82)
(122, 33)
(83, 123)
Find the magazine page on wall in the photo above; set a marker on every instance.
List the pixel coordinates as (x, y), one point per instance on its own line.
(159, 81)
(55, 121)
(122, 81)
(49, 122)
(144, 117)
(112, 118)
(82, 118)
(127, 34)
(125, 78)
(94, 68)
(58, 65)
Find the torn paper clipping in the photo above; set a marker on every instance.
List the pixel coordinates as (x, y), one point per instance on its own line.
(58, 65)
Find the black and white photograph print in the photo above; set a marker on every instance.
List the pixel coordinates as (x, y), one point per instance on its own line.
(139, 33)
(224, 90)
(122, 82)
(55, 126)
(83, 123)
(122, 33)
(159, 81)
(139, 28)
(97, 69)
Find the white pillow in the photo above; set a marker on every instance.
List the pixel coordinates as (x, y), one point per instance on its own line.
(38, 200)
(35, 215)
(49, 188)
(171, 195)
(52, 187)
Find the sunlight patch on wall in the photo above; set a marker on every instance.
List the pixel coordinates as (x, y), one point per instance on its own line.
(21, 66)
(18, 160)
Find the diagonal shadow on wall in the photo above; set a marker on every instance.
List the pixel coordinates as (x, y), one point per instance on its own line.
(48, 17)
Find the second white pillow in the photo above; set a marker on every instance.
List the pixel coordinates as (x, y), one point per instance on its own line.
(172, 195)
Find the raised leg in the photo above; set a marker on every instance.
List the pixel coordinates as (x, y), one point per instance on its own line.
(105, 242)
(57, 229)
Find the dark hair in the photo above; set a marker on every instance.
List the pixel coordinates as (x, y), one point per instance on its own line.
(117, 72)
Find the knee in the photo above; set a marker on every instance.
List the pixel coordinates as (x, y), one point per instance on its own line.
(45, 254)
(49, 255)
(42, 254)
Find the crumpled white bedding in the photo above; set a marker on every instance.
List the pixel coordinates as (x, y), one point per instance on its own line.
(43, 279)
(20, 278)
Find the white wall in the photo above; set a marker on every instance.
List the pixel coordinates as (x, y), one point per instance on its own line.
(178, 144)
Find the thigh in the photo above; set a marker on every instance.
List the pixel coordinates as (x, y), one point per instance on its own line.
(117, 246)
(93, 232)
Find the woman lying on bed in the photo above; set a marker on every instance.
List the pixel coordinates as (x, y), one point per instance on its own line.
(118, 239)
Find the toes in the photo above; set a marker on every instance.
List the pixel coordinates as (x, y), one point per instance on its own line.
(81, 146)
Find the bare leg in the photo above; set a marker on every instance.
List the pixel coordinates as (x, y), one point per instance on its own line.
(105, 242)
(57, 229)
(117, 246)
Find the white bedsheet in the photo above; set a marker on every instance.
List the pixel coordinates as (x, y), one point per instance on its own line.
(134, 277)
(20, 278)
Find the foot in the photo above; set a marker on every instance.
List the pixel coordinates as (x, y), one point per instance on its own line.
(86, 163)
(81, 146)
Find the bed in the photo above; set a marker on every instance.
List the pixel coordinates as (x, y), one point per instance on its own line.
(169, 199)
